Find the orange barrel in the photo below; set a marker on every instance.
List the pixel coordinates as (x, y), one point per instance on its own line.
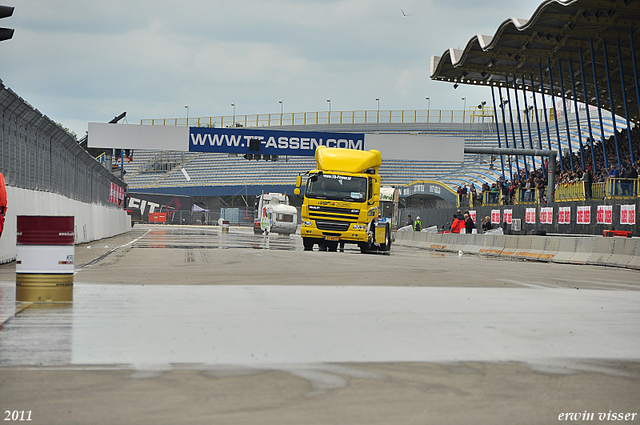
(44, 259)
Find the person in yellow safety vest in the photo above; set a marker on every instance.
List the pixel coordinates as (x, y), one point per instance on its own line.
(3, 202)
(417, 225)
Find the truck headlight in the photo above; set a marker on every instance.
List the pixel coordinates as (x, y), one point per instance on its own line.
(306, 223)
(358, 227)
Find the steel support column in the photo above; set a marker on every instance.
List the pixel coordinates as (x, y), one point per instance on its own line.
(535, 108)
(506, 135)
(526, 108)
(555, 112)
(495, 113)
(575, 105)
(515, 95)
(595, 86)
(513, 129)
(566, 115)
(613, 112)
(586, 105)
(635, 67)
(544, 105)
(624, 100)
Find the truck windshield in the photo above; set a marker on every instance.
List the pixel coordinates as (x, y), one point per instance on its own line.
(337, 187)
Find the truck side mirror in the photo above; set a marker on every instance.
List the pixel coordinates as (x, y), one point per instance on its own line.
(298, 183)
(296, 191)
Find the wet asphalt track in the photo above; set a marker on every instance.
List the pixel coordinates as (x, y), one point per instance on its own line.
(168, 298)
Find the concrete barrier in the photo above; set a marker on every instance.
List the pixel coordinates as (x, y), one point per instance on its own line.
(455, 242)
(92, 222)
(551, 247)
(566, 249)
(490, 246)
(441, 243)
(510, 247)
(537, 250)
(602, 249)
(584, 250)
(623, 251)
(523, 249)
(596, 250)
(635, 259)
(473, 243)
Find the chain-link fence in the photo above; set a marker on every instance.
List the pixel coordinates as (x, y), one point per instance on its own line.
(37, 154)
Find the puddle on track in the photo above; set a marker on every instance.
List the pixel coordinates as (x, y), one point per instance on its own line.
(255, 325)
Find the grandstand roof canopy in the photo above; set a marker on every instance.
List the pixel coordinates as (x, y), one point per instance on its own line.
(559, 33)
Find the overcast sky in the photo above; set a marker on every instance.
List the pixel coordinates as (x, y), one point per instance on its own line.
(80, 61)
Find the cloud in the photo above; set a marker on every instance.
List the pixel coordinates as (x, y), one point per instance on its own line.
(80, 61)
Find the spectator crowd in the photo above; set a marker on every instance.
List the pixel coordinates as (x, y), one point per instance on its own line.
(535, 180)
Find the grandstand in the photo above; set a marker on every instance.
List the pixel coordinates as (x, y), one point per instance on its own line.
(218, 174)
(221, 174)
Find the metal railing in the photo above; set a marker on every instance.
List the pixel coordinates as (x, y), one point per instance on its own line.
(526, 196)
(611, 189)
(414, 116)
(37, 154)
(621, 188)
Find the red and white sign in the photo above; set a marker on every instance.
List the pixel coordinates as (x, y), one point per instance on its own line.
(495, 217)
(472, 214)
(530, 216)
(546, 215)
(605, 214)
(628, 214)
(564, 215)
(508, 216)
(584, 215)
(116, 195)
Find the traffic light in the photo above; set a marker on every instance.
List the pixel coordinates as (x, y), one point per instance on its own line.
(5, 12)
(254, 145)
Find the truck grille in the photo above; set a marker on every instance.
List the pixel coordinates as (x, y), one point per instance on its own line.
(348, 211)
(336, 226)
(331, 213)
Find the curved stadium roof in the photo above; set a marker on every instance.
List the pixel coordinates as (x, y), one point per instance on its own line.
(558, 31)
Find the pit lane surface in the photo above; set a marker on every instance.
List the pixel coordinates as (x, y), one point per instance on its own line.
(415, 336)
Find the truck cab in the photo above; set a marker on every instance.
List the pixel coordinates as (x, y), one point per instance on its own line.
(341, 201)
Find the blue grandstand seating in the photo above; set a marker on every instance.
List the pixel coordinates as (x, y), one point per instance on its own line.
(218, 169)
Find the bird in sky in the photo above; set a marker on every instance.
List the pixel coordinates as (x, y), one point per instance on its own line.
(405, 14)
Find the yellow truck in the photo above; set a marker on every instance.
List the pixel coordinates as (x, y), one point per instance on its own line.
(342, 202)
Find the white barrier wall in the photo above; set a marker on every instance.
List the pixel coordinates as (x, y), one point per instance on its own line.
(593, 250)
(92, 222)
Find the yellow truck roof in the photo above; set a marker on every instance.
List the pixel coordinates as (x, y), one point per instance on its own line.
(347, 160)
